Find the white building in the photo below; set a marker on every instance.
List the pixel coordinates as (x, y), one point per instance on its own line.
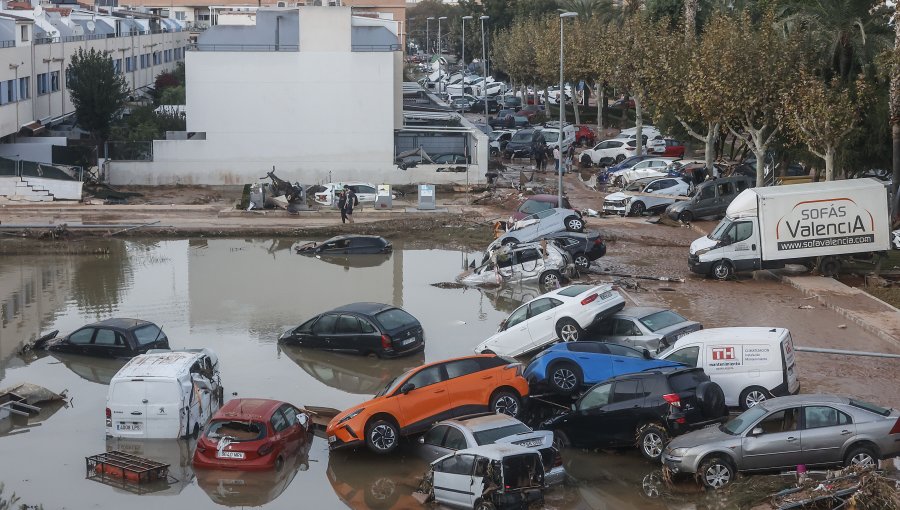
(314, 92)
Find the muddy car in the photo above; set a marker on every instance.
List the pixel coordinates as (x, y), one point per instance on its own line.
(496, 476)
(541, 262)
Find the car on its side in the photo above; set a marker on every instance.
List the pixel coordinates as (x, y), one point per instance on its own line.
(542, 223)
(110, 338)
(563, 314)
(365, 192)
(654, 196)
(566, 367)
(645, 327)
(449, 436)
(640, 410)
(415, 399)
(608, 151)
(347, 245)
(250, 434)
(583, 247)
(537, 203)
(782, 433)
(521, 263)
(360, 328)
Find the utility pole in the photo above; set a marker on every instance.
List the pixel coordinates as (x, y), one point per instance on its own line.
(562, 105)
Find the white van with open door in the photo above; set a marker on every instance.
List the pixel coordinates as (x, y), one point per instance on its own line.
(164, 394)
(750, 364)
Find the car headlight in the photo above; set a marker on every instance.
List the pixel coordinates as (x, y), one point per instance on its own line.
(350, 416)
(702, 251)
(677, 452)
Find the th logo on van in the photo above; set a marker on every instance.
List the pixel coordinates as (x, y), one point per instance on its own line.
(722, 353)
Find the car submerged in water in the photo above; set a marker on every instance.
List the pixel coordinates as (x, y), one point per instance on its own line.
(347, 245)
(542, 262)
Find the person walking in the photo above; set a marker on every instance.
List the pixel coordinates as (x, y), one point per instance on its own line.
(558, 157)
(342, 205)
(351, 201)
(570, 155)
(540, 157)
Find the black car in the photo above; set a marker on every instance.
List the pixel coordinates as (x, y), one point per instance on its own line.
(493, 106)
(584, 247)
(347, 245)
(360, 328)
(513, 103)
(640, 410)
(112, 338)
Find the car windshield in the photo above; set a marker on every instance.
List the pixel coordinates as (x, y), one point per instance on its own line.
(495, 135)
(551, 135)
(534, 206)
(237, 430)
(492, 435)
(148, 334)
(396, 318)
(720, 230)
(394, 384)
(743, 421)
(522, 136)
(662, 320)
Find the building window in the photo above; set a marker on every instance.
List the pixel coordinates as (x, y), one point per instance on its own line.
(156, 58)
(54, 81)
(7, 91)
(117, 65)
(128, 65)
(177, 53)
(24, 29)
(281, 4)
(24, 88)
(180, 15)
(42, 87)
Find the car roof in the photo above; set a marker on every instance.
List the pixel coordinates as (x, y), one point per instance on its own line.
(248, 408)
(161, 364)
(773, 404)
(121, 323)
(498, 451)
(637, 312)
(352, 236)
(485, 421)
(364, 307)
(735, 335)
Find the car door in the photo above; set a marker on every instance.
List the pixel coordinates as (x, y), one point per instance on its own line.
(427, 402)
(528, 264)
(688, 355)
(432, 443)
(78, 342)
(322, 332)
(706, 201)
(293, 434)
(724, 196)
(467, 382)
(622, 330)
(549, 221)
(454, 483)
(515, 336)
(825, 431)
(542, 321)
(625, 360)
(594, 364)
(109, 343)
(773, 442)
(621, 415)
(348, 335)
(364, 193)
(741, 247)
(585, 427)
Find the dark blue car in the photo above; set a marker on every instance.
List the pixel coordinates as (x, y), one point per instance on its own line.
(565, 367)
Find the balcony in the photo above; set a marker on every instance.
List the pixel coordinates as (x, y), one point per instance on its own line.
(244, 47)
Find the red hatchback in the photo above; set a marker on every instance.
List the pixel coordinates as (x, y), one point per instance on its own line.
(252, 433)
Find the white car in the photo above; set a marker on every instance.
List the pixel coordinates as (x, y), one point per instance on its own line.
(649, 131)
(651, 167)
(365, 192)
(655, 196)
(522, 263)
(608, 151)
(563, 314)
(550, 132)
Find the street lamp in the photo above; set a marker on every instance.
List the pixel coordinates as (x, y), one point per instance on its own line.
(464, 18)
(484, 69)
(427, 36)
(561, 102)
(440, 51)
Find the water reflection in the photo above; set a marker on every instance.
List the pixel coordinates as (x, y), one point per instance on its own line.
(100, 280)
(354, 374)
(365, 481)
(16, 424)
(348, 261)
(507, 298)
(95, 370)
(176, 453)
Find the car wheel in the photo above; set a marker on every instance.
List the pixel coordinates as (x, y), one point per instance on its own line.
(685, 216)
(638, 208)
(829, 266)
(561, 440)
(382, 436)
(508, 241)
(506, 402)
(484, 505)
(565, 378)
(620, 158)
(551, 279)
(722, 270)
(568, 330)
(716, 472)
(651, 440)
(752, 396)
(574, 224)
(582, 262)
(861, 456)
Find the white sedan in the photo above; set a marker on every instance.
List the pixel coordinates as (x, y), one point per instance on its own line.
(654, 196)
(561, 314)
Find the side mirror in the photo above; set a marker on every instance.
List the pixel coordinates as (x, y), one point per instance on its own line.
(757, 431)
(502, 326)
(647, 354)
(303, 419)
(406, 388)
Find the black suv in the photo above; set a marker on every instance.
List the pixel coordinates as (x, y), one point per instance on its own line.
(644, 409)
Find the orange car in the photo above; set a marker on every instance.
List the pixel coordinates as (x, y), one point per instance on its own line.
(413, 401)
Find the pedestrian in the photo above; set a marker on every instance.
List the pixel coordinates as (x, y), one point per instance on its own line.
(351, 202)
(558, 157)
(540, 157)
(342, 203)
(570, 155)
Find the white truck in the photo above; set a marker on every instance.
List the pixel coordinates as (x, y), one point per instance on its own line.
(818, 225)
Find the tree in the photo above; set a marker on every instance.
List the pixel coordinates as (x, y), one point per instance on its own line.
(96, 90)
(822, 115)
(895, 114)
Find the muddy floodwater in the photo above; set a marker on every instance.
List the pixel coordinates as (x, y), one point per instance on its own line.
(235, 297)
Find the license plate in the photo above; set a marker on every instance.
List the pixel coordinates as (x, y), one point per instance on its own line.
(129, 427)
(530, 444)
(408, 341)
(606, 295)
(230, 455)
(331, 439)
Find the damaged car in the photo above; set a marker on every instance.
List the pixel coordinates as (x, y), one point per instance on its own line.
(542, 262)
(653, 196)
(347, 245)
(111, 338)
(496, 476)
(542, 223)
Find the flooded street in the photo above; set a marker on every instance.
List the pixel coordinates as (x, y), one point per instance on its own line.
(236, 296)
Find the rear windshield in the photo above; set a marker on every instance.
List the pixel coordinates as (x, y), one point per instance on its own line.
(396, 318)
(522, 136)
(662, 320)
(872, 408)
(686, 381)
(492, 435)
(148, 334)
(237, 430)
(574, 290)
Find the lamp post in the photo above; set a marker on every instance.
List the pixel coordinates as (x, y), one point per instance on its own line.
(562, 106)
(484, 69)
(427, 35)
(406, 41)
(464, 18)
(440, 52)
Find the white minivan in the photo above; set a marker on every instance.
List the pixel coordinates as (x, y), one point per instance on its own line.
(750, 364)
(164, 394)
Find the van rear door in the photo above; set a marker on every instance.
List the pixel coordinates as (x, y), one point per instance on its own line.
(164, 399)
(127, 408)
(787, 356)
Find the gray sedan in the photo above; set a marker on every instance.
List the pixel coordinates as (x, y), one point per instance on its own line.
(644, 327)
(540, 224)
(781, 433)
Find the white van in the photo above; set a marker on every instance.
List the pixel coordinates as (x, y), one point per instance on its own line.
(164, 394)
(750, 364)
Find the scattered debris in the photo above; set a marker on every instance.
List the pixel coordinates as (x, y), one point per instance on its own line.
(448, 285)
(126, 471)
(848, 488)
(21, 399)
(842, 326)
(805, 307)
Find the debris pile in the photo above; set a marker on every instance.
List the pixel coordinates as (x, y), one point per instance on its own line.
(848, 488)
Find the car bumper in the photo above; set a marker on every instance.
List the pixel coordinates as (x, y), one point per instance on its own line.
(344, 436)
(676, 464)
(404, 351)
(614, 209)
(698, 267)
(205, 461)
(597, 251)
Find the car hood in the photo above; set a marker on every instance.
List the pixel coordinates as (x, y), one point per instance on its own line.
(678, 206)
(614, 197)
(700, 437)
(702, 243)
(493, 343)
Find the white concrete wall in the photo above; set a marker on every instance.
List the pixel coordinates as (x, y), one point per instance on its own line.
(39, 152)
(60, 189)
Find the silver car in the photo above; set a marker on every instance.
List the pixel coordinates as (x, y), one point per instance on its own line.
(540, 224)
(450, 436)
(545, 263)
(784, 432)
(645, 327)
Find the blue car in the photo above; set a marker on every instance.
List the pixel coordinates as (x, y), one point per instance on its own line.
(565, 367)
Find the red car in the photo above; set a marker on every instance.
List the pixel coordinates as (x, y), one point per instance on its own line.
(252, 434)
(666, 147)
(585, 136)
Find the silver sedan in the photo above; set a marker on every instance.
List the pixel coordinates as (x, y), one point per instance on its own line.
(782, 433)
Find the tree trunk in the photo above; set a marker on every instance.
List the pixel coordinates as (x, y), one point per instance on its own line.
(760, 152)
(575, 102)
(599, 107)
(690, 20)
(829, 164)
(895, 117)
(711, 137)
(638, 125)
